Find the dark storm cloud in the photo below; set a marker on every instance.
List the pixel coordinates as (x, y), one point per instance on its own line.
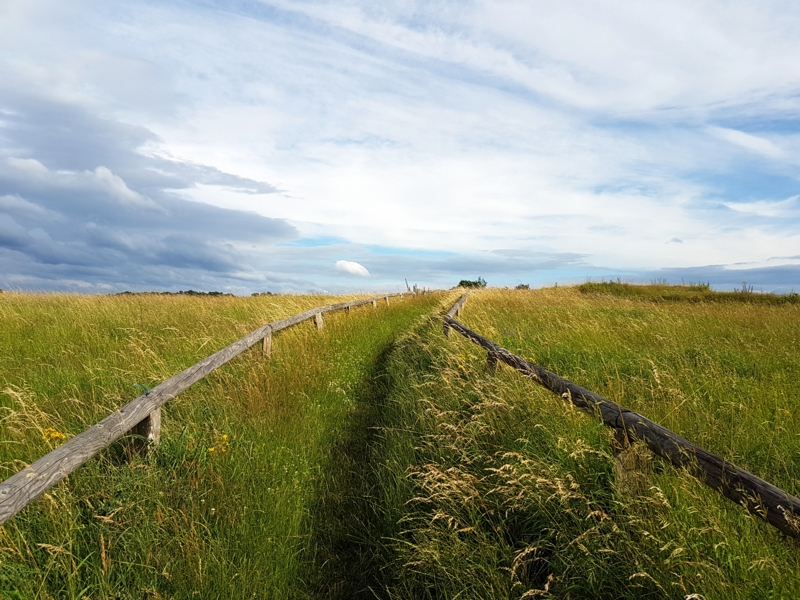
(80, 202)
(63, 136)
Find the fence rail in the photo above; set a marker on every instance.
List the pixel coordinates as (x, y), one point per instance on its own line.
(142, 416)
(776, 506)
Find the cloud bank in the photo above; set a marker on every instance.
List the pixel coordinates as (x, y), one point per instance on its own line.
(76, 224)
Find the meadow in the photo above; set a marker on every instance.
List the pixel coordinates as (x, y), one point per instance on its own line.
(222, 508)
(378, 458)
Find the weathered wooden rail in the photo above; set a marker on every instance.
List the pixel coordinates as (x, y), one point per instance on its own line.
(776, 506)
(142, 416)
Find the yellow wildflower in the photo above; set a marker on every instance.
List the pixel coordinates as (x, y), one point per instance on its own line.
(52, 435)
(221, 445)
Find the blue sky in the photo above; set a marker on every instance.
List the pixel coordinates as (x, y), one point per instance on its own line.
(253, 146)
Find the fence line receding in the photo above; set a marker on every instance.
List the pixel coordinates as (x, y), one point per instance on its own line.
(142, 416)
(774, 505)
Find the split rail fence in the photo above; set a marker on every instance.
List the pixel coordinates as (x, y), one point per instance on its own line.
(776, 506)
(141, 417)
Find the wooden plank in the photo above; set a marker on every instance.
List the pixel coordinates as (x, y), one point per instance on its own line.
(457, 306)
(776, 506)
(23, 487)
(452, 312)
(318, 321)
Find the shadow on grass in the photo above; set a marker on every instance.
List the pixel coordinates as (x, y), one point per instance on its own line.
(352, 520)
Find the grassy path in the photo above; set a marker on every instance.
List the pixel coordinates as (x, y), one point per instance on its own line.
(225, 508)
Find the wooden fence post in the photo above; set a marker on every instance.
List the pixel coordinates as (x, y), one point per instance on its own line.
(347, 310)
(147, 433)
(374, 304)
(266, 345)
(318, 320)
(387, 300)
(491, 362)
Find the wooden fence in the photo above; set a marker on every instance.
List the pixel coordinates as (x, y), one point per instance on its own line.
(142, 416)
(777, 507)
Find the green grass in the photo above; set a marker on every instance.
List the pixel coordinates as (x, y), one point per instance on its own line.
(509, 492)
(186, 522)
(386, 462)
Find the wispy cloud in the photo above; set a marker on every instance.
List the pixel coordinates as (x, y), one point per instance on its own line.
(185, 140)
(755, 143)
(789, 208)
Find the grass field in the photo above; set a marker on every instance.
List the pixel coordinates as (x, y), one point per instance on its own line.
(386, 462)
(223, 507)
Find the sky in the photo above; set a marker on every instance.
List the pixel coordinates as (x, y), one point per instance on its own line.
(304, 146)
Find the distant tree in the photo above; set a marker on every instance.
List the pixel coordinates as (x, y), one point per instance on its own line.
(480, 282)
(523, 286)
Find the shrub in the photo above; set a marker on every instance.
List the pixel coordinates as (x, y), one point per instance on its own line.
(480, 282)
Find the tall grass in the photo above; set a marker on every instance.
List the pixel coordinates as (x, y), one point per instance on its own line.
(505, 491)
(222, 509)
(388, 462)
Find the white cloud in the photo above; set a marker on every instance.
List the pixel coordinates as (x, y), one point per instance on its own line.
(351, 268)
(29, 166)
(19, 205)
(764, 208)
(748, 141)
(117, 188)
(101, 178)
